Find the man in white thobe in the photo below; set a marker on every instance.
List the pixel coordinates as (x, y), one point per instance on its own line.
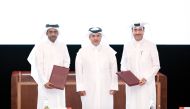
(141, 57)
(96, 69)
(42, 58)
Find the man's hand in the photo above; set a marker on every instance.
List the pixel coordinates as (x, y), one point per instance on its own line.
(82, 93)
(112, 92)
(122, 82)
(48, 85)
(142, 81)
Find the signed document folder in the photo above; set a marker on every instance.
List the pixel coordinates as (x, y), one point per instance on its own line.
(128, 77)
(58, 77)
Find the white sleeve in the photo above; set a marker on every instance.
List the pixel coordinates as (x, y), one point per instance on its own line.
(155, 63)
(39, 57)
(31, 60)
(66, 57)
(113, 69)
(79, 72)
(124, 63)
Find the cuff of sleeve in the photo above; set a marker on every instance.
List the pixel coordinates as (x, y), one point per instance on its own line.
(80, 88)
(123, 68)
(42, 82)
(66, 65)
(150, 78)
(114, 87)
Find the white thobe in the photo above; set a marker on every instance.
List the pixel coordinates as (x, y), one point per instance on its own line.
(142, 59)
(48, 54)
(96, 69)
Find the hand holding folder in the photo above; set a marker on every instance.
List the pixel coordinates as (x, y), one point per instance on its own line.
(58, 77)
(128, 77)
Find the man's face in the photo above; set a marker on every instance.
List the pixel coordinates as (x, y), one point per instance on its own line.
(95, 38)
(52, 34)
(138, 33)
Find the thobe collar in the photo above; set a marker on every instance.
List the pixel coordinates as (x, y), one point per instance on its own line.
(97, 48)
(138, 43)
(51, 43)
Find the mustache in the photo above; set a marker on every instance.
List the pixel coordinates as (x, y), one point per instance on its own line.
(138, 34)
(53, 36)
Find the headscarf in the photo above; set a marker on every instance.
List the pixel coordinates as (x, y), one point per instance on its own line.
(86, 41)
